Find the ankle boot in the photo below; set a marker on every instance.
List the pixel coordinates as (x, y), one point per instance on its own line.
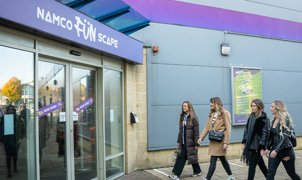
(9, 174)
(15, 169)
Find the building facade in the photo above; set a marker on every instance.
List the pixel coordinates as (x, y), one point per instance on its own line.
(76, 81)
(189, 65)
(63, 74)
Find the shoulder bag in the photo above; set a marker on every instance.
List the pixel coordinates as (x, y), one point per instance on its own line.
(216, 135)
(176, 154)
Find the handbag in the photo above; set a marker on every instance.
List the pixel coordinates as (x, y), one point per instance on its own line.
(292, 137)
(216, 135)
(176, 154)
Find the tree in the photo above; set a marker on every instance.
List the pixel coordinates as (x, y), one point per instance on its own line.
(12, 89)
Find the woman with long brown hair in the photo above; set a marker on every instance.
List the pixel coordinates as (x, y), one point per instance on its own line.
(219, 120)
(187, 140)
(279, 144)
(255, 139)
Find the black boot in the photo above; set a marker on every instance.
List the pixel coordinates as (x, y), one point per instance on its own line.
(9, 174)
(15, 169)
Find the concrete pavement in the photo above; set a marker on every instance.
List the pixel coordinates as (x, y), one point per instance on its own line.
(239, 169)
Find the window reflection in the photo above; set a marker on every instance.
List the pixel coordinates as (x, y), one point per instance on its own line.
(113, 112)
(114, 166)
(52, 152)
(84, 124)
(16, 114)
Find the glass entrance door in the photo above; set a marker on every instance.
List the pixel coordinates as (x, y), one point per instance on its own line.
(84, 123)
(67, 121)
(52, 123)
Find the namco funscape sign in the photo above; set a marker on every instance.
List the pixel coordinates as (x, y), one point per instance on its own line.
(57, 19)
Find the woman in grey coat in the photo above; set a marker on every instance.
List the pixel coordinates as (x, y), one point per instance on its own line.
(187, 140)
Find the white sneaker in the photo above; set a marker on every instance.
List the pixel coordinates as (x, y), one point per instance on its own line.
(174, 177)
(230, 178)
(194, 175)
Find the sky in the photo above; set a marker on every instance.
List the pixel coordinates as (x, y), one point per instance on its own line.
(16, 63)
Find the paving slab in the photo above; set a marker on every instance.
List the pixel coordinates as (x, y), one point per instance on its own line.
(239, 169)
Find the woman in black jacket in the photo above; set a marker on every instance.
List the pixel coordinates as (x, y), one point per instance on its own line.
(187, 140)
(279, 143)
(11, 139)
(255, 139)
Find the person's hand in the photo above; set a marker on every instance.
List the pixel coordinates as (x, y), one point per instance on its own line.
(196, 147)
(243, 145)
(199, 141)
(266, 152)
(262, 152)
(178, 144)
(225, 146)
(273, 154)
(46, 136)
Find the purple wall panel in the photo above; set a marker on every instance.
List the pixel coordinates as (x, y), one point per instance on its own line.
(182, 13)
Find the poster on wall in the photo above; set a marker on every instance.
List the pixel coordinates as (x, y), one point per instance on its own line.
(246, 86)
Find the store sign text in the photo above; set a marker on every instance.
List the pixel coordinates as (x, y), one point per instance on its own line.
(83, 27)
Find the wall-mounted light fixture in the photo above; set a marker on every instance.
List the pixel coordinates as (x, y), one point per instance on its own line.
(225, 49)
(155, 50)
(76, 53)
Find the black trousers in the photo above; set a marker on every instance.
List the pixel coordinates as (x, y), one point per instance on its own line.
(289, 165)
(181, 161)
(255, 159)
(11, 149)
(212, 167)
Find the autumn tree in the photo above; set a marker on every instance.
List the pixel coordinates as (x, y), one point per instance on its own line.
(12, 89)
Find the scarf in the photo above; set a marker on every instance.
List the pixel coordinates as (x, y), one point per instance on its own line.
(184, 123)
(246, 154)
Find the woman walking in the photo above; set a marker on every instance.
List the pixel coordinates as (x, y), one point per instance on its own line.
(187, 140)
(279, 143)
(219, 120)
(255, 139)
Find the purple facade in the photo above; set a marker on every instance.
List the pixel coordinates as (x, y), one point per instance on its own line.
(182, 13)
(54, 18)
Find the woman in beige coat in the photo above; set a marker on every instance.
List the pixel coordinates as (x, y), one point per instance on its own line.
(219, 120)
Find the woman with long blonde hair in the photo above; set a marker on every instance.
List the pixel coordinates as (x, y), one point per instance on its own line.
(219, 120)
(279, 143)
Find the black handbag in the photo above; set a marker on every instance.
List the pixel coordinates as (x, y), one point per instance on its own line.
(216, 135)
(292, 137)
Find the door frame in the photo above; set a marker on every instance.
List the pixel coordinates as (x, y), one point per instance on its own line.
(70, 114)
(114, 66)
(69, 139)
